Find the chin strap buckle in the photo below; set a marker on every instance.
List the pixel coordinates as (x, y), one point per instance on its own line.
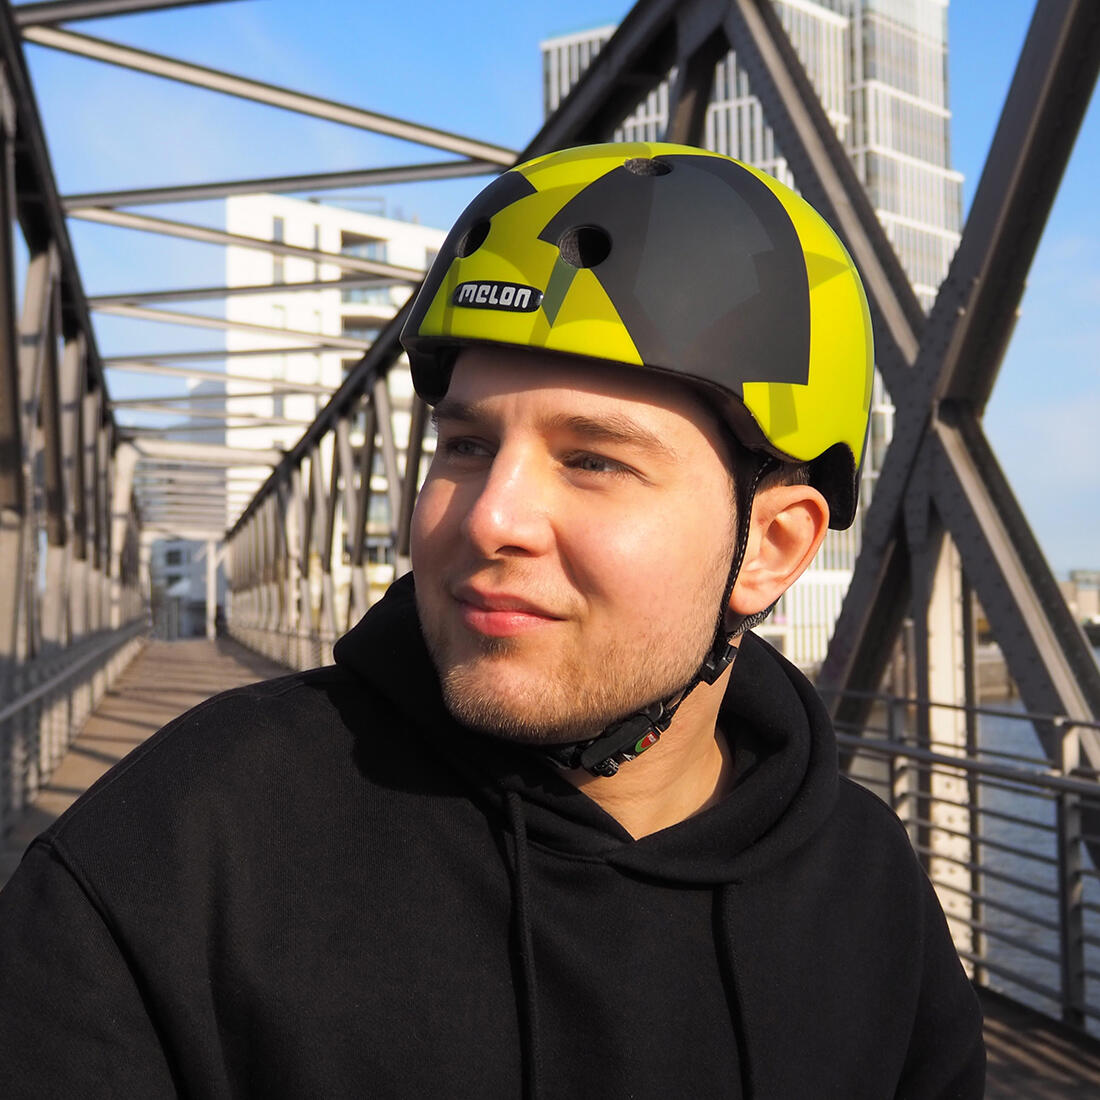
(717, 661)
(626, 740)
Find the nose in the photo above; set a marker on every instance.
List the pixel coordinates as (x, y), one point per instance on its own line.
(510, 514)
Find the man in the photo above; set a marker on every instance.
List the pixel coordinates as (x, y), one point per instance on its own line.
(536, 832)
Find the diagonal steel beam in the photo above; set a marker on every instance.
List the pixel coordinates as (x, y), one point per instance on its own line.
(281, 185)
(214, 414)
(1046, 651)
(204, 234)
(825, 175)
(961, 352)
(214, 293)
(161, 358)
(275, 385)
(65, 11)
(633, 61)
(205, 453)
(196, 320)
(189, 398)
(142, 61)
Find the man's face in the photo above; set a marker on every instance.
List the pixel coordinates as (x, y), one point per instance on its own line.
(571, 542)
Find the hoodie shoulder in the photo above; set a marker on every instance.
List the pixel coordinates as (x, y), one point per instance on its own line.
(210, 752)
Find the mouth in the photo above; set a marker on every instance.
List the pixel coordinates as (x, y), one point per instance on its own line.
(500, 614)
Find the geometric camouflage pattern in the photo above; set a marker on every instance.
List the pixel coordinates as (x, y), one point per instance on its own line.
(674, 259)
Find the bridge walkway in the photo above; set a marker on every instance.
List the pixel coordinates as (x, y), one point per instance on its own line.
(1030, 1056)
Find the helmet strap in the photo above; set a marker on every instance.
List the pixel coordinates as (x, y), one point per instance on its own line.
(628, 738)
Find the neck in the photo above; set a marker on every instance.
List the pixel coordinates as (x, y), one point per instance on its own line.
(687, 771)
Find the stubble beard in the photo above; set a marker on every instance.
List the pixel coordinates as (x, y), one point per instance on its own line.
(574, 699)
(569, 702)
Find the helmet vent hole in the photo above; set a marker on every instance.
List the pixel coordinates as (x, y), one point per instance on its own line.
(645, 166)
(584, 246)
(474, 237)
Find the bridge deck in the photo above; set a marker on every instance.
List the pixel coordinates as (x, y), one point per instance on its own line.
(1028, 1054)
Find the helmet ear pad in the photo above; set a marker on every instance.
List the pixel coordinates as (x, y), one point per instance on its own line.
(431, 373)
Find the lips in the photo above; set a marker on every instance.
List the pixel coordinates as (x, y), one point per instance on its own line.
(500, 614)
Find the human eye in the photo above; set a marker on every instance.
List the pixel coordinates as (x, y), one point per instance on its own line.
(586, 462)
(462, 447)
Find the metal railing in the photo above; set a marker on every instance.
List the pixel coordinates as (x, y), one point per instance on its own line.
(1008, 840)
(44, 706)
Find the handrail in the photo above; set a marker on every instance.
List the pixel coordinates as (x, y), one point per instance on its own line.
(116, 640)
(1040, 780)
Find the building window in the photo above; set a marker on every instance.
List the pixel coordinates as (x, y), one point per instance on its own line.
(173, 557)
(361, 332)
(366, 248)
(278, 269)
(278, 229)
(368, 295)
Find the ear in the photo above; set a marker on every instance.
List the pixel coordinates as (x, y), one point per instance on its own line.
(787, 525)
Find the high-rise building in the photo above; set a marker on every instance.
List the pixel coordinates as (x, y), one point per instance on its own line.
(349, 313)
(880, 68)
(275, 390)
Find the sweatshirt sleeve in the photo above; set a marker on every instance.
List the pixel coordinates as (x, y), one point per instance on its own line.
(946, 1056)
(72, 1019)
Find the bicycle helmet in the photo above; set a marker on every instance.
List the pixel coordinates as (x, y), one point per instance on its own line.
(678, 260)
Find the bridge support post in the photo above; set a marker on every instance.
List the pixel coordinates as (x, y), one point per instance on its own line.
(1071, 888)
(211, 589)
(950, 819)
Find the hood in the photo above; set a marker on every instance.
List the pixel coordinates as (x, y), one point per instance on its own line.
(782, 738)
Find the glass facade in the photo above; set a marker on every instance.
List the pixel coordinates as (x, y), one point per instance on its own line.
(880, 68)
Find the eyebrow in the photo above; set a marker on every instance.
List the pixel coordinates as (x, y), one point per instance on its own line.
(612, 428)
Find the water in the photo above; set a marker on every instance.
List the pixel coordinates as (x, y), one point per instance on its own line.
(1027, 942)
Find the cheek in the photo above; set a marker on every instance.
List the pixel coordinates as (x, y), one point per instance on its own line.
(638, 563)
(429, 530)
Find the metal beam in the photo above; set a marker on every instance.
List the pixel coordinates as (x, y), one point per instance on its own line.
(156, 358)
(181, 399)
(323, 181)
(38, 206)
(633, 61)
(12, 481)
(195, 320)
(1046, 651)
(198, 294)
(960, 353)
(825, 175)
(136, 431)
(11, 435)
(276, 385)
(114, 53)
(219, 455)
(67, 11)
(214, 414)
(144, 223)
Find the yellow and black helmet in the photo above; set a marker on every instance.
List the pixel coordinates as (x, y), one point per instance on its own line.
(673, 259)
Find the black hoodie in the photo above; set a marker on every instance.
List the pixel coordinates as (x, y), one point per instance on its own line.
(322, 886)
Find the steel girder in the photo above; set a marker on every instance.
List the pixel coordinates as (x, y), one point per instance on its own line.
(115, 53)
(323, 181)
(940, 474)
(204, 234)
(70, 596)
(67, 11)
(207, 293)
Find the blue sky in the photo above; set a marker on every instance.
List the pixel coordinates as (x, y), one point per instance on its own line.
(474, 68)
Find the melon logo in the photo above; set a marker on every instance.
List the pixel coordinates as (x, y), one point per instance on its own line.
(511, 297)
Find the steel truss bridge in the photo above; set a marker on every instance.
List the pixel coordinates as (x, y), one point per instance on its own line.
(82, 496)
